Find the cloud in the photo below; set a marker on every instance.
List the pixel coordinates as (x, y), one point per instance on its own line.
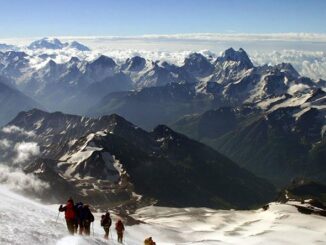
(12, 129)
(5, 144)
(308, 63)
(292, 36)
(25, 151)
(17, 180)
(315, 37)
(11, 173)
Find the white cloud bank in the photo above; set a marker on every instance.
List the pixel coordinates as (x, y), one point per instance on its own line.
(11, 174)
(12, 129)
(16, 180)
(25, 151)
(308, 63)
(4, 144)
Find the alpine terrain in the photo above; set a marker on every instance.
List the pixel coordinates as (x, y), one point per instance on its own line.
(213, 149)
(109, 161)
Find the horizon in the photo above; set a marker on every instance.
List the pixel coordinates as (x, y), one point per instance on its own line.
(306, 52)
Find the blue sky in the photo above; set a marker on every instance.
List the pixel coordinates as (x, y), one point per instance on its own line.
(36, 18)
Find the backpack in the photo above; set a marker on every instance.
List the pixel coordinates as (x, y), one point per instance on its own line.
(88, 214)
(106, 221)
(70, 213)
(79, 211)
(119, 227)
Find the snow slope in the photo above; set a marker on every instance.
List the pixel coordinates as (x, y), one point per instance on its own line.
(23, 221)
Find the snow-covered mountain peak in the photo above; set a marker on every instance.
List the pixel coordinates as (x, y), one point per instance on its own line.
(7, 47)
(78, 46)
(237, 56)
(198, 65)
(12, 57)
(46, 43)
(195, 57)
(103, 61)
(134, 64)
(56, 44)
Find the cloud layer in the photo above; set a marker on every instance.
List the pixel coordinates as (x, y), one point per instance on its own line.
(16, 180)
(25, 151)
(14, 158)
(306, 51)
(12, 129)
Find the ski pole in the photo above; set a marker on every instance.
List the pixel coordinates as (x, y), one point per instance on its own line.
(56, 221)
(111, 234)
(93, 228)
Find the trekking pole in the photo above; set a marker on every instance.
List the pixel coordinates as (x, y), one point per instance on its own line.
(111, 234)
(56, 221)
(93, 228)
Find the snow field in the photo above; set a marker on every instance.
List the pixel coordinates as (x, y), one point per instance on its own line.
(23, 221)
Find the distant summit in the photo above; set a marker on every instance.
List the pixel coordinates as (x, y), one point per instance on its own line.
(7, 47)
(78, 46)
(46, 43)
(54, 43)
(239, 56)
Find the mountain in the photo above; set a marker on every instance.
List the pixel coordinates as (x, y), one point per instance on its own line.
(54, 43)
(229, 80)
(281, 140)
(232, 80)
(7, 47)
(108, 160)
(151, 106)
(12, 101)
(198, 65)
(46, 43)
(14, 65)
(78, 46)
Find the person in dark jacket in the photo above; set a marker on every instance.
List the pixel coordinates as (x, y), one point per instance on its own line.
(88, 218)
(119, 227)
(106, 222)
(79, 207)
(70, 215)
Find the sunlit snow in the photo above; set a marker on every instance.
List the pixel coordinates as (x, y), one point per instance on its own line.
(27, 222)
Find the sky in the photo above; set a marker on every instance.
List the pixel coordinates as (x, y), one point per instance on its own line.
(37, 18)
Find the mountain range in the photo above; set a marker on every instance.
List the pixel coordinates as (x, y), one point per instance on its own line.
(110, 161)
(103, 86)
(268, 119)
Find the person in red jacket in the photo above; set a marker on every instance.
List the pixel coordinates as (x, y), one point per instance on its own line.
(120, 229)
(70, 215)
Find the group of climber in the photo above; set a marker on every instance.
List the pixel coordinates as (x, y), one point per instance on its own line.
(79, 218)
(106, 222)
